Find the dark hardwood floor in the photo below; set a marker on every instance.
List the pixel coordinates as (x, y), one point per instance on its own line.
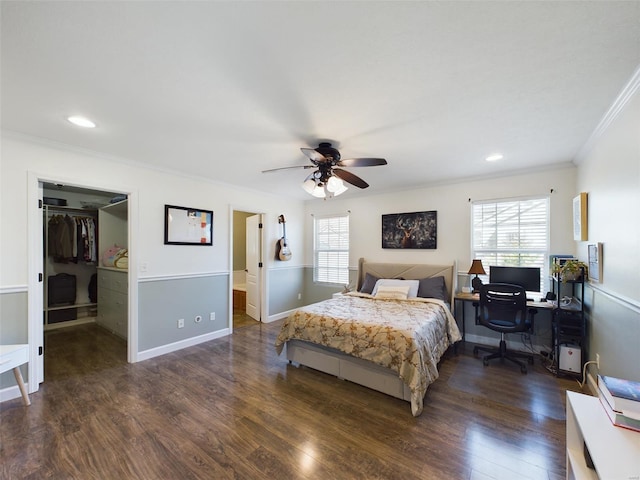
(241, 319)
(232, 408)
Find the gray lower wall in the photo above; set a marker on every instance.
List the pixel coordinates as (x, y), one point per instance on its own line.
(162, 302)
(284, 286)
(315, 292)
(613, 333)
(286, 283)
(13, 328)
(612, 324)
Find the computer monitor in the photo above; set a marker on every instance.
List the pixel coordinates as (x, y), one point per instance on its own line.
(527, 277)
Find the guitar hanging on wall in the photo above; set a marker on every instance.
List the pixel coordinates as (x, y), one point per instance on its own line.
(283, 252)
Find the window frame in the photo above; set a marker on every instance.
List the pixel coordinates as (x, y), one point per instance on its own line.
(483, 252)
(317, 269)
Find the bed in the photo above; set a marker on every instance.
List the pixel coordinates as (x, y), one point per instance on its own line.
(382, 336)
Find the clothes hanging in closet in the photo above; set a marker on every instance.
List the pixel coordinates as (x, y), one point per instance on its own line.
(72, 239)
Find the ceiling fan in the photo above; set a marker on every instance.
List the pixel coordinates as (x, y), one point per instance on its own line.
(327, 180)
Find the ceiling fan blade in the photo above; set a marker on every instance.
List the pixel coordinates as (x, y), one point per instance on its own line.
(313, 155)
(350, 177)
(361, 162)
(288, 168)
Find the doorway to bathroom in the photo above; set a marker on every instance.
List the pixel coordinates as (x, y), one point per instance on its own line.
(247, 265)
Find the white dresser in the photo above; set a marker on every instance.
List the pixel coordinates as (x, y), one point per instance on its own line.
(113, 300)
(615, 451)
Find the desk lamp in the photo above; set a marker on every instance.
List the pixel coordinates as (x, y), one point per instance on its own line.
(478, 269)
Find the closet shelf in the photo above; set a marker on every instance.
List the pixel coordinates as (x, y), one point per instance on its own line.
(75, 305)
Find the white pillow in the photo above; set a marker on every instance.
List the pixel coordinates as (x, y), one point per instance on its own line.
(396, 282)
(394, 292)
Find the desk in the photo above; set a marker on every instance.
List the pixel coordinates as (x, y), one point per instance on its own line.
(11, 357)
(475, 297)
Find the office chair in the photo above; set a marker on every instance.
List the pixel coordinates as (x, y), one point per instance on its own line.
(503, 308)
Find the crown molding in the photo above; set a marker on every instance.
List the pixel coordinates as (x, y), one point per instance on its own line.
(48, 143)
(618, 106)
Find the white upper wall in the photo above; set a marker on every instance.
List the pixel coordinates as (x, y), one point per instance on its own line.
(153, 189)
(454, 215)
(610, 174)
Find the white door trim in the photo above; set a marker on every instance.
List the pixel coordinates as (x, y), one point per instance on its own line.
(34, 262)
(264, 307)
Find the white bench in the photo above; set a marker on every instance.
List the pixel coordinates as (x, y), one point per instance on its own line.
(11, 357)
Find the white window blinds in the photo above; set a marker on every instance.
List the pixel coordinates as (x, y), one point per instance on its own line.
(512, 233)
(331, 250)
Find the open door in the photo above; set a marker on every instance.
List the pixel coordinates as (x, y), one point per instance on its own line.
(38, 334)
(254, 264)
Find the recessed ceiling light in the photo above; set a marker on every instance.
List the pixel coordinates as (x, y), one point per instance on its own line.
(81, 121)
(495, 157)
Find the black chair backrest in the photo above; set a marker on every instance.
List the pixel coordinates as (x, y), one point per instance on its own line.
(503, 307)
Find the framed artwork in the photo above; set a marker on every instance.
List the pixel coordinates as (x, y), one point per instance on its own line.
(410, 230)
(580, 217)
(187, 226)
(595, 262)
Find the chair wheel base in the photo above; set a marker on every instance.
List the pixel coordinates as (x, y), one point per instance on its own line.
(503, 354)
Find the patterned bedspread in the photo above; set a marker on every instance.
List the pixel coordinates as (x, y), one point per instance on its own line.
(406, 336)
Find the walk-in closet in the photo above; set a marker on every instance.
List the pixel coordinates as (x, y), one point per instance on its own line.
(85, 259)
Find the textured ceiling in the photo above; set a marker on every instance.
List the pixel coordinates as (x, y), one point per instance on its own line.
(225, 90)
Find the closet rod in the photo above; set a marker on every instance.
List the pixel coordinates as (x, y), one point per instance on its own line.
(61, 209)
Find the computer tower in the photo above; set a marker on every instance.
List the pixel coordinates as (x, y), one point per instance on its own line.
(570, 358)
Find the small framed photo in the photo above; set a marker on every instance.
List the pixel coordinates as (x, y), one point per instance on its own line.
(187, 226)
(595, 262)
(580, 217)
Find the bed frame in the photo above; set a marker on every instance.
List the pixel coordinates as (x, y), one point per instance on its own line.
(356, 370)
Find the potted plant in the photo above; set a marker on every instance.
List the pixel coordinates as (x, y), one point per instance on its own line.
(570, 270)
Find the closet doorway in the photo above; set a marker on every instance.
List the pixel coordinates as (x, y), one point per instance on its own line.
(84, 266)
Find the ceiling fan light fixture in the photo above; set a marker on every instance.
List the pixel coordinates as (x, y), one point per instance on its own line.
(340, 190)
(334, 184)
(329, 180)
(309, 185)
(319, 191)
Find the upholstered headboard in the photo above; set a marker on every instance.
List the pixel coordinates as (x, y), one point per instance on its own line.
(410, 271)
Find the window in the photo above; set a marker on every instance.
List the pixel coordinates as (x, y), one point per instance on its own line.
(331, 250)
(512, 233)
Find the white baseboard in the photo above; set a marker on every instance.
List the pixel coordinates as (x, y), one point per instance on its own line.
(592, 382)
(279, 316)
(189, 342)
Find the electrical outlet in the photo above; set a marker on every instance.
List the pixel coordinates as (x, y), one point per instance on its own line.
(212, 316)
(299, 296)
(198, 318)
(598, 360)
(181, 323)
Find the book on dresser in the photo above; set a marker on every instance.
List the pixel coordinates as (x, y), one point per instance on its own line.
(623, 396)
(617, 418)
